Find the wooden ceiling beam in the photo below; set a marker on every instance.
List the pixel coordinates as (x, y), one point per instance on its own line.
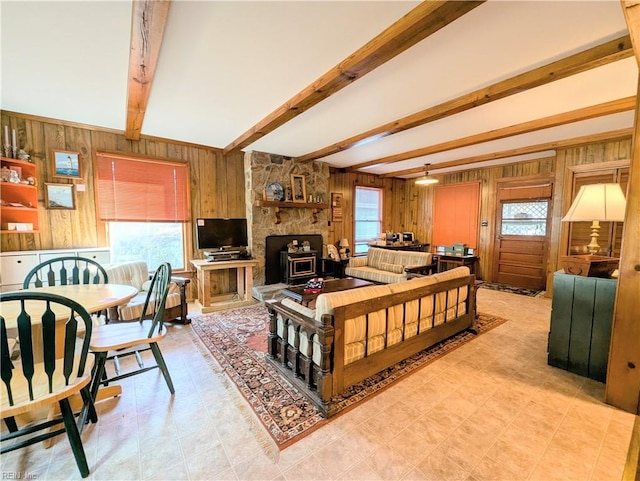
(148, 23)
(531, 149)
(608, 52)
(606, 108)
(424, 20)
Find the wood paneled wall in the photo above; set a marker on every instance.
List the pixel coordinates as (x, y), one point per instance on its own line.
(218, 187)
(409, 207)
(394, 197)
(217, 181)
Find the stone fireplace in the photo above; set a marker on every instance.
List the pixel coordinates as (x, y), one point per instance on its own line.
(262, 168)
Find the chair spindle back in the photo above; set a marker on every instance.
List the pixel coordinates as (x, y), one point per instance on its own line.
(64, 271)
(42, 308)
(157, 297)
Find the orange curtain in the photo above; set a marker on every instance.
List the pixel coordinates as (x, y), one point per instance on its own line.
(133, 189)
(455, 214)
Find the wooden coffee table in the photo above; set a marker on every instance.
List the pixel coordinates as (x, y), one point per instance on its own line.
(333, 285)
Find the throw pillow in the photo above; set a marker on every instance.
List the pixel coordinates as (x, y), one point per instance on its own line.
(396, 268)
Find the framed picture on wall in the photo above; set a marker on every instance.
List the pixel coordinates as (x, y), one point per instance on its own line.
(298, 188)
(59, 196)
(65, 164)
(336, 207)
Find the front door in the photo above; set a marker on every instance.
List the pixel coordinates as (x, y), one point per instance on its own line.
(522, 243)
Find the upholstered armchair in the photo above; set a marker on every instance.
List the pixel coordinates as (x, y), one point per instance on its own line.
(136, 274)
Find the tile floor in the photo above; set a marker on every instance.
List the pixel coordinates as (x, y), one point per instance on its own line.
(491, 410)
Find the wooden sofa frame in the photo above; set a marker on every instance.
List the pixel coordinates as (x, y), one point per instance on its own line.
(320, 383)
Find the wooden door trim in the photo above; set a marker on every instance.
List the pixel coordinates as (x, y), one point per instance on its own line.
(569, 180)
(614, 164)
(497, 227)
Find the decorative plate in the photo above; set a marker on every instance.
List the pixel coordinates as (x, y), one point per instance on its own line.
(274, 191)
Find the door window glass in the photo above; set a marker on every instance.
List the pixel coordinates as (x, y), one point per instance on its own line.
(524, 218)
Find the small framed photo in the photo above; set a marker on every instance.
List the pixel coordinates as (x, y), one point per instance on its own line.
(65, 164)
(298, 188)
(59, 196)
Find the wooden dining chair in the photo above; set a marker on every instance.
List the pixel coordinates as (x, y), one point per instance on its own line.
(29, 384)
(64, 271)
(117, 340)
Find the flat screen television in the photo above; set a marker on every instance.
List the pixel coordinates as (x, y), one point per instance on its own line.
(221, 234)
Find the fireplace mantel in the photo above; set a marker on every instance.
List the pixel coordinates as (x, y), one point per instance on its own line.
(315, 207)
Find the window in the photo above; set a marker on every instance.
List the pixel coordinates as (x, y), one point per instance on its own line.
(145, 205)
(524, 218)
(368, 217)
(152, 242)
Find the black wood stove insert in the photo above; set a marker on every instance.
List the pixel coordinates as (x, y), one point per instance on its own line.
(275, 244)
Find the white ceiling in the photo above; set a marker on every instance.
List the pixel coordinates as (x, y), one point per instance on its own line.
(224, 66)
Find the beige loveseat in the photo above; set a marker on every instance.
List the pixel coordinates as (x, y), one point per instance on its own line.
(137, 274)
(353, 334)
(386, 266)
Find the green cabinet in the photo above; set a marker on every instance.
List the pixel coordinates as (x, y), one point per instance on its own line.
(580, 331)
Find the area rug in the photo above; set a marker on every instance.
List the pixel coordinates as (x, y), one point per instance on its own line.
(506, 288)
(237, 339)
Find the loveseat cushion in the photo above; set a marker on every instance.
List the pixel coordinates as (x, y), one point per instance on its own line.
(385, 265)
(388, 266)
(404, 258)
(130, 273)
(375, 275)
(136, 274)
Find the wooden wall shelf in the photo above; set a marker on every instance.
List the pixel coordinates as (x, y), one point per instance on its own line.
(25, 196)
(315, 207)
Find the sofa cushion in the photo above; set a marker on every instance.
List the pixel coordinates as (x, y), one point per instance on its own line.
(454, 296)
(358, 261)
(355, 330)
(410, 315)
(375, 275)
(386, 265)
(326, 303)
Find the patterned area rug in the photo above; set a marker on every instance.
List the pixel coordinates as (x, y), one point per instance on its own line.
(238, 340)
(514, 290)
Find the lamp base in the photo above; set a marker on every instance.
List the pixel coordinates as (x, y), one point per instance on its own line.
(588, 265)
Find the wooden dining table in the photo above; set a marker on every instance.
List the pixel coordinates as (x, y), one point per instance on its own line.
(93, 297)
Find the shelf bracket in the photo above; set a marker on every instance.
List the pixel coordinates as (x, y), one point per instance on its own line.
(276, 212)
(314, 215)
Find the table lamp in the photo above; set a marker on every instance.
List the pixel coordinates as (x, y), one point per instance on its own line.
(595, 203)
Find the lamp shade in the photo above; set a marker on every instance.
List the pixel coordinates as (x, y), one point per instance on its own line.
(601, 202)
(426, 181)
(344, 243)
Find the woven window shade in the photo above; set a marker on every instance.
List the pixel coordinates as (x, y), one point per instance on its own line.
(132, 189)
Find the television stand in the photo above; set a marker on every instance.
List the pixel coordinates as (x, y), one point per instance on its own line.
(244, 282)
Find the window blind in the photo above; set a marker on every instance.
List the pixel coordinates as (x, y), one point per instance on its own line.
(134, 189)
(455, 214)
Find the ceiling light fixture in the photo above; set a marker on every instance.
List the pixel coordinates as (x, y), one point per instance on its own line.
(426, 180)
